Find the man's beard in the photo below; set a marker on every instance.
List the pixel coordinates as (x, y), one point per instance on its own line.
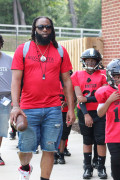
(43, 40)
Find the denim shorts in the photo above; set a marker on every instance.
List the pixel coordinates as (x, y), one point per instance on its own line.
(44, 128)
(4, 119)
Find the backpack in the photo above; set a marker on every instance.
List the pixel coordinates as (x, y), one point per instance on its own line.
(26, 49)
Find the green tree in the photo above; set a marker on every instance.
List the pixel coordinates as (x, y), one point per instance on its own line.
(81, 8)
(92, 18)
(55, 9)
(87, 12)
(6, 11)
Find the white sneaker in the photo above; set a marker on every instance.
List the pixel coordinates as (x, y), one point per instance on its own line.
(24, 175)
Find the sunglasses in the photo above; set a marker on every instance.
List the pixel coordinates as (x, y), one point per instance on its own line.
(41, 27)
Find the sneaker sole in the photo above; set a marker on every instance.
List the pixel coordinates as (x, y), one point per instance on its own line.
(87, 177)
(102, 177)
(31, 169)
(61, 163)
(67, 154)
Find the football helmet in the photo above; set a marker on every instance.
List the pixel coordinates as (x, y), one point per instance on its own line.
(91, 54)
(112, 69)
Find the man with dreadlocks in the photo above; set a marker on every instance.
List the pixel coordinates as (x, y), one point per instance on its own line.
(40, 101)
(5, 93)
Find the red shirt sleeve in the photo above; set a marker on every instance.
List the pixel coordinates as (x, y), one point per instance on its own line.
(17, 62)
(100, 94)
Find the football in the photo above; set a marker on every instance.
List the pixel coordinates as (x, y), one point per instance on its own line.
(21, 123)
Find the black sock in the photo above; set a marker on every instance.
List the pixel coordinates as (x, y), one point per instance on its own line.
(101, 160)
(43, 178)
(25, 168)
(87, 158)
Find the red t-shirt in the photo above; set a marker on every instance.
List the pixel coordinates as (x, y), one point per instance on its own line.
(88, 85)
(37, 92)
(112, 114)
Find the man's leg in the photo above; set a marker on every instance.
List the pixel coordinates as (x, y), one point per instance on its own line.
(0, 141)
(51, 131)
(47, 161)
(25, 169)
(25, 158)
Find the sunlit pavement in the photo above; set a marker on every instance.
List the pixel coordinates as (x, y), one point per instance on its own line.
(72, 170)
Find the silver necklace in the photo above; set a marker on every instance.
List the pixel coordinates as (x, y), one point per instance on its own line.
(43, 58)
(43, 70)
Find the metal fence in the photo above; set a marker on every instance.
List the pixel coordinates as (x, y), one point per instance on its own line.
(17, 34)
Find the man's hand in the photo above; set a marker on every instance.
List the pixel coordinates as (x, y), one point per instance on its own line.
(14, 113)
(81, 99)
(88, 120)
(70, 118)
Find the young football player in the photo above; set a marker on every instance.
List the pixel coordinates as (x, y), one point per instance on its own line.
(92, 127)
(109, 103)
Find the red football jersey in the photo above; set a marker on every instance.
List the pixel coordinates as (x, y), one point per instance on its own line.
(89, 84)
(112, 114)
(38, 92)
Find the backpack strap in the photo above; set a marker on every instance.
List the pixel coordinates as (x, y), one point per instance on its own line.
(26, 49)
(27, 45)
(60, 50)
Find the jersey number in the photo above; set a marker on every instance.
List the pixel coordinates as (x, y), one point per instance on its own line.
(89, 93)
(116, 115)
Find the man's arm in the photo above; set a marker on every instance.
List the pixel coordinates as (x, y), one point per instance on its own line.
(69, 94)
(15, 92)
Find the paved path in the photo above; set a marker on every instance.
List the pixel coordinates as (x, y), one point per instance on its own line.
(72, 170)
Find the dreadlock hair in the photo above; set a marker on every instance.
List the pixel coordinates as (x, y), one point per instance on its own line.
(53, 30)
(1, 41)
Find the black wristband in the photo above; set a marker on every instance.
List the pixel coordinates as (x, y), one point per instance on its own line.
(83, 108)
(91, 99)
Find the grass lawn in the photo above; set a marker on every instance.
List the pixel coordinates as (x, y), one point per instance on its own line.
(9, 53)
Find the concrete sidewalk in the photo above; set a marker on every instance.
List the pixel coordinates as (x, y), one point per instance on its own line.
(72, 170)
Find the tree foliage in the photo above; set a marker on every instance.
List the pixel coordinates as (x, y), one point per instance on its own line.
(55, 9)
(87, 12)
(92, 18)
(6, 11)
